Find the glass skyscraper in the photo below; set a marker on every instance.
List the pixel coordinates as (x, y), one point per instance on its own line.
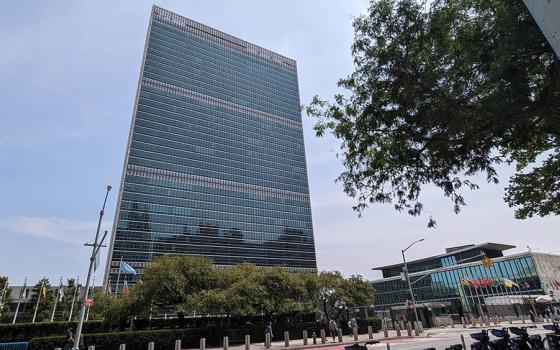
(215, 163)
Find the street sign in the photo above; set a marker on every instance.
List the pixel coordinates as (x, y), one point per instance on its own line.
(89, 302)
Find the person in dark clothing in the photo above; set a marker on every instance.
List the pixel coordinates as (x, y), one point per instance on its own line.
(333, 328)
(69, 340)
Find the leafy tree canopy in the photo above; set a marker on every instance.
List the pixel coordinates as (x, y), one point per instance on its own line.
(190, 284)
(441, 93)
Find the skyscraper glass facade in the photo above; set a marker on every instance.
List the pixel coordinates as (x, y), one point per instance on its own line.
(215, 164)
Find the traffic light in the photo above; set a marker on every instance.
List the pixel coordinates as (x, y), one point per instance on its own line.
(486, 262)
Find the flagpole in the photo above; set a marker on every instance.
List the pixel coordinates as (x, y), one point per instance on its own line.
(118, 278)
(38, 300)
(74, 298)
(56, 299)
(528, 292)
(21, 296)
(92, 290)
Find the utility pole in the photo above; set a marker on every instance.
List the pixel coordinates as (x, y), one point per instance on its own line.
(94, 251)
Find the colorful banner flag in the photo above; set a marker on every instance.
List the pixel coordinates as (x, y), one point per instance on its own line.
(44, 292)
(125, 288)
(507, 282)
(464, 281)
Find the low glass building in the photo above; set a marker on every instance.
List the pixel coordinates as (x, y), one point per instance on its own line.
(457, 283)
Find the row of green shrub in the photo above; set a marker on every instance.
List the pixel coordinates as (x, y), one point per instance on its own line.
(26, 331)
(190, 337)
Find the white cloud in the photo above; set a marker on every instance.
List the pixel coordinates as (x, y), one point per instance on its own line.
(51, 228)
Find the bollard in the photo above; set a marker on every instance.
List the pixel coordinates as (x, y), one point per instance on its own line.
(340, 335)
(57, 348)
(416, 331)
(421, 327)
(91, 347)
(401, 324)
(355, 331)
(286, 339)
(409, 329)
(385, 332)
(122, 347)
(463, 342)
(464, 322)
(473, 322)
(523, 319)
(178, 344)
(509, 319)
(226, 343)
(314, 336)
(151, 345)
(388, 346)
(202, 343)
(267, 341)
(247, 342)
(323, 336)
(398, 329)
(305, 337)
(452, 323)
(370, 332)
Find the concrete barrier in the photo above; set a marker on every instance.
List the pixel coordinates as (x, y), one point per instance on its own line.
(385, 331)
(304, 337)
(323, 336)
(122, 347)
(202, 343)
(178, 344)
(226, 343)
(247, 342)
(286, 339)
(340, 335)
(370, 332)
(151, 345)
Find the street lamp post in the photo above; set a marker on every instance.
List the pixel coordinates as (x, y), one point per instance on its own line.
(408, 278)
(95, 249)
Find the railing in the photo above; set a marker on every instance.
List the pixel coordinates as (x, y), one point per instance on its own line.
(13, 346)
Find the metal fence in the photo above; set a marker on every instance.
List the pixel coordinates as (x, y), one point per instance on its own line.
(14, 346)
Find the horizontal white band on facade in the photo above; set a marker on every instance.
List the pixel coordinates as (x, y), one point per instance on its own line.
(177, 90)
(184, 24)
(204, 181)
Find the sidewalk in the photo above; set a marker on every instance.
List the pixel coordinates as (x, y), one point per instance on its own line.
(346, 340)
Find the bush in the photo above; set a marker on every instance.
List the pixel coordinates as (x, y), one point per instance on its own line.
(26, 331)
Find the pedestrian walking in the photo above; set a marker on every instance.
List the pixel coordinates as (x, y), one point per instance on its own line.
(69, 340)
(353, 325)
(333, 329)
(268, 330)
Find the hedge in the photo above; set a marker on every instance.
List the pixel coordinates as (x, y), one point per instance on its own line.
(25, 331)
(190, 337)
(165, 338)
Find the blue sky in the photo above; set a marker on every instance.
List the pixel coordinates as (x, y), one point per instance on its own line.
(68, 75)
